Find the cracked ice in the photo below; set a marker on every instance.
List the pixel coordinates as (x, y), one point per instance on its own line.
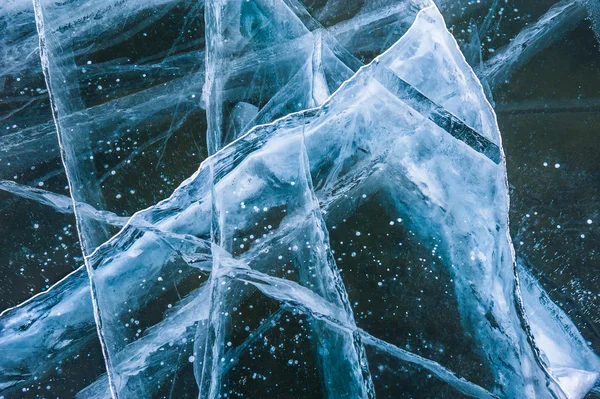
(341, 229)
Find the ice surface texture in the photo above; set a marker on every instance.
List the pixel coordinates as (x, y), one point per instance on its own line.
(345, 233)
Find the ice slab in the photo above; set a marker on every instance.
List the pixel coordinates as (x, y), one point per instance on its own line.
(95, 72)
(182, 232)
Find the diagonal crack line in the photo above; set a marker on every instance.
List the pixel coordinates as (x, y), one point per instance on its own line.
(302, 299)
(62, 203)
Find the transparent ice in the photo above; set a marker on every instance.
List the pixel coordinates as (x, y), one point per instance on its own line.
(344, 231)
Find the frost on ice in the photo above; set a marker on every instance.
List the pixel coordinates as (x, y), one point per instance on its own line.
(345, 233)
